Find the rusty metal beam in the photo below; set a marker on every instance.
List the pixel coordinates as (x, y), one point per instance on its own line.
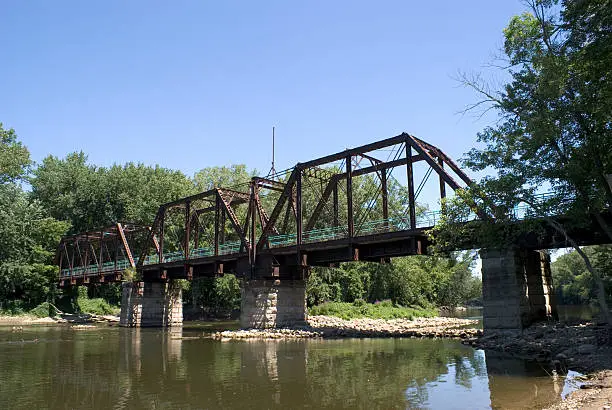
(355, 151)
(349, 197)
(233, 219)
(277, 209)
(126, 245)
(298, 207)
(187, 228)
(411, 197)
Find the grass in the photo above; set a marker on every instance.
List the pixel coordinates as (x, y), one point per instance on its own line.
(360, 309)
(96, 306)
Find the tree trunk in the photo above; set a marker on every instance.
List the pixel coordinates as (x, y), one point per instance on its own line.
(601, 290)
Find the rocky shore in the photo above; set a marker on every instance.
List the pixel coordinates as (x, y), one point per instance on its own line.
(333, 327)
(581, 346)
(75, 319)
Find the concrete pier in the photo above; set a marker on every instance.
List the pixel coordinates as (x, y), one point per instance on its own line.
(517, 289)
(151, 304)
(273, 303)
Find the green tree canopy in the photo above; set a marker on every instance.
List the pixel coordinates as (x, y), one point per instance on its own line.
(554, 128)
(90, 197)
(14, 157)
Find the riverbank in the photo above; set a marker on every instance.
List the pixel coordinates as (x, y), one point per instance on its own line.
(581, 346)
(595, 394)
(66, 318)
(334, 327)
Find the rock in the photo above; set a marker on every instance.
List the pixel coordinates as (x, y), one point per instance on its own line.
(587, 349)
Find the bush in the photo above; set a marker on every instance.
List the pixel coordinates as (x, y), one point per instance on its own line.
(43, 310)
(382, 310)
(96, 306)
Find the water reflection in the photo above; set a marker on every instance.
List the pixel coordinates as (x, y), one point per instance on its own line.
(151, 368)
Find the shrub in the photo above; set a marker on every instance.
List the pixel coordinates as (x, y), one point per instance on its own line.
(43, 310)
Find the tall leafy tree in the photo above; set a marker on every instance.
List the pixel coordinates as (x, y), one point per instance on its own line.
(554, 129)
(28, 236)
(14, 157)
(89, 196)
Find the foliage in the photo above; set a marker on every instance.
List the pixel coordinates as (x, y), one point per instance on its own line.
(224, 177)
(27, 243)
(14, 157)
(383, 310)
(553, 131)
(43, 310)
(90, 197)
(574, 284)
(96, 306)
(416, 280)
(221, 294)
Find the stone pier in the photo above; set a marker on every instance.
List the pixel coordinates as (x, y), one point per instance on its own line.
(273, 303)
(151, 304)
(517, 289)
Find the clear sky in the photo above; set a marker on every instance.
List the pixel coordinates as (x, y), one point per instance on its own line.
(190, 84)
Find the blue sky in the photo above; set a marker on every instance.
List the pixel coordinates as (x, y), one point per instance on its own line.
(190, 84)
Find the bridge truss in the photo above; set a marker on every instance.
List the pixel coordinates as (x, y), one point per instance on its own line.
(342, 207)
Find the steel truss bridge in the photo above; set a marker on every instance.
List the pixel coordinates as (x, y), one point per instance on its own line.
(347, 206)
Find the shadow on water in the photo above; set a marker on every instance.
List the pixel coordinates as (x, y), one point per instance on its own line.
(150, 368)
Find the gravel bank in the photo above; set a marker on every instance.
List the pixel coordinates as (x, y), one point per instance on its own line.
(333, 327)
(580, 346)
(584, 347)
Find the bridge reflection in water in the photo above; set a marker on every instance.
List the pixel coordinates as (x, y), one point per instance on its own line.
(154, 368)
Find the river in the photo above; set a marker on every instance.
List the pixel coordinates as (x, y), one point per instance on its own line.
(110, 367)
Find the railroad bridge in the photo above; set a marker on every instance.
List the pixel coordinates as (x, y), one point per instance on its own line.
(356, 205)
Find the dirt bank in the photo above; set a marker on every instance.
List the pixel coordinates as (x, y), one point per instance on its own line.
(333, 327)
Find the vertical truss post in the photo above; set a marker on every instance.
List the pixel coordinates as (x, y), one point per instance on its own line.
(196, 240)
(217, 223)
(442, 183)
(335, 205)
(252, 211)
(101, 252)
(349, 196)
(61, 258)
(222, 222)
(385, 198)
(116, 254)
(410, 175)
(161, 235)
(87, 250)
(72, 259)
(298, 207)
(187, 228)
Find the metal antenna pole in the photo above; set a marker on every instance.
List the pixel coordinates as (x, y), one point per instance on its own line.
(272, 170)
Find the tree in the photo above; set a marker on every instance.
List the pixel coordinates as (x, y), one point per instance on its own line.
(28, 238)
(222, 177)
(90, 197)
(14, 157)
(574, 284)
(554, 129)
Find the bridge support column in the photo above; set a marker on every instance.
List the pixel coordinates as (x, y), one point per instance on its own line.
(517, 289)
(273, 303)
(151, 304)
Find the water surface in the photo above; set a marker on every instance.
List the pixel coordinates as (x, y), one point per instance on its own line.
(110, 367)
